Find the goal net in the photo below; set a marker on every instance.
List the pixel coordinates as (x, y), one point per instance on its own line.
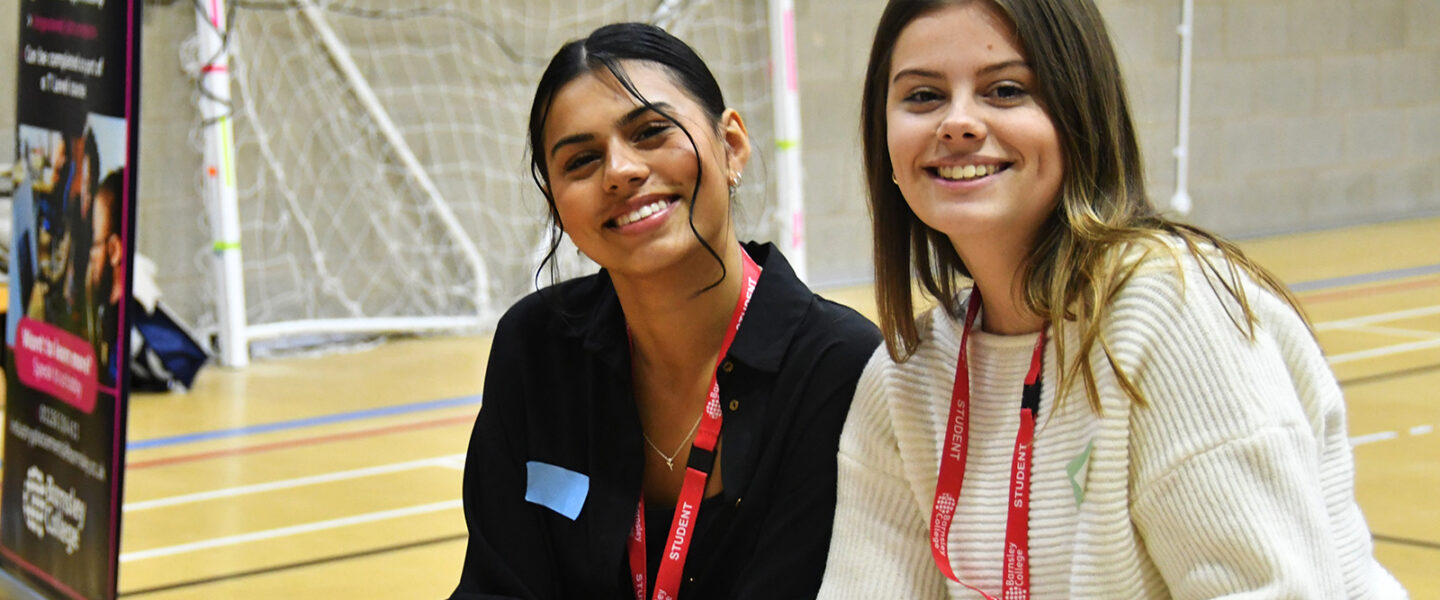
(378, 194)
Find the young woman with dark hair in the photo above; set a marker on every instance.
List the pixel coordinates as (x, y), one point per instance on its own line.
(669, 425)
(1105, 403)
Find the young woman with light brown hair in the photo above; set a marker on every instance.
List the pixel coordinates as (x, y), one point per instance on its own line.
(1105, 403)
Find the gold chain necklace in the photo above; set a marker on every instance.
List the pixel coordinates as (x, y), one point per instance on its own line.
(670, 460)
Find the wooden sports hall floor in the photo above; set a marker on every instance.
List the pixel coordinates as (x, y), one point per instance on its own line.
(340, 476)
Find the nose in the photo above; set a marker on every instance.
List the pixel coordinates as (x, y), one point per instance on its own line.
(624, 168)
(962, 124)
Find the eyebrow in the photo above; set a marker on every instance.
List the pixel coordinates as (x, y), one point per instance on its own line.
(627, 119)
(929, 74)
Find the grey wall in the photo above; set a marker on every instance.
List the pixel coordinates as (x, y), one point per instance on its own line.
(1307, 113)
(9, 56)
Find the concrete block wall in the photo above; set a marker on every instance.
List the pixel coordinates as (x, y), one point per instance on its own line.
(1310, 113)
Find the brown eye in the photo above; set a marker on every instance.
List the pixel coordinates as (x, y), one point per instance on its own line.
(1008, 92)
(652, 129)
(578, 161)
(921, 96)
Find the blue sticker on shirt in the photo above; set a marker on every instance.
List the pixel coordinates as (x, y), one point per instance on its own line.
(556, 488)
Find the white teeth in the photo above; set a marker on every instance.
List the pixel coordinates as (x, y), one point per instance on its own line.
(640, 213)
(958, 173)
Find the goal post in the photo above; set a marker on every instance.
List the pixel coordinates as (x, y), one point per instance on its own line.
(377, 153)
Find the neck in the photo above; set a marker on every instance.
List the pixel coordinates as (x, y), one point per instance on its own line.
(996, 269)
(675, 332)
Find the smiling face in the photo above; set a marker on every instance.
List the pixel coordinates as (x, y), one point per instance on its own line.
(621, 174)
(974, 153)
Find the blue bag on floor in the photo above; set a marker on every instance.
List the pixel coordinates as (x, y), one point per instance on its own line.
(163, 354)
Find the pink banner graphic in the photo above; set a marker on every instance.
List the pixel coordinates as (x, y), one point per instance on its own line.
(56, 362)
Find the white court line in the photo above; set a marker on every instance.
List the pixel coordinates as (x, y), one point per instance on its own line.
(1372, 438)
(1379, 318)
(439, 461)
(1421, 429)
(1362, 324)
(1384, 351)
(1396, 332)
(235, 540)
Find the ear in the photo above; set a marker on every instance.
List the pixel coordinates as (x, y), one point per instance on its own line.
(737, 140)
(115, 249)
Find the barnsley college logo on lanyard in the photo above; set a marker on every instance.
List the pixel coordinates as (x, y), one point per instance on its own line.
(702, 459)
(952, 471)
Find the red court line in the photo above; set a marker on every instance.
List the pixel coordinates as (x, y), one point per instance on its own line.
(1369, 290)
(309, 441)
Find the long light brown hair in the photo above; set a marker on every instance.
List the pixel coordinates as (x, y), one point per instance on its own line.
(1078, 263)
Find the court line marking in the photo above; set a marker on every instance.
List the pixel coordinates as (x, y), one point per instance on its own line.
(166, 587)
(282, 484)
(1411, 313)
(300, 442)
(1372, 277)
(1395, 332)
(386, 411)
(1383, 436)
(293, 530)
(1405, 541)
(1389, 375)
(1366, 323)
(1318, 297)
(365, 518)
(1384, 351)
(1371, 438)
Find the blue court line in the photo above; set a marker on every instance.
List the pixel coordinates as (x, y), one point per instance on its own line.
(1376, 277)
(302, 423)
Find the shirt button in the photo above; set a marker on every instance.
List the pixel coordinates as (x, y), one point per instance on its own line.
(727, 366)
(734, 405)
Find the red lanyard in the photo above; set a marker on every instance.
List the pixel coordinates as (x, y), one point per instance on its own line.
(702, 458)
(1016, 582)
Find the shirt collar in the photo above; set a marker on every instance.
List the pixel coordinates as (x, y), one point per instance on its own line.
(779, 304)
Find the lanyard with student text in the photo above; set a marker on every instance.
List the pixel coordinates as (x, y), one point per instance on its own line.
(702, 458)
(1016, 581)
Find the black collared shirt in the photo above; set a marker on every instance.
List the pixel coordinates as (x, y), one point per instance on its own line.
(558, 391)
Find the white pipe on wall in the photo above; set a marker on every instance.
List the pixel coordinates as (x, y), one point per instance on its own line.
(1181, 200)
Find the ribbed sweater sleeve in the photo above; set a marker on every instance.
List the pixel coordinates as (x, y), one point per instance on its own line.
(1240, 467)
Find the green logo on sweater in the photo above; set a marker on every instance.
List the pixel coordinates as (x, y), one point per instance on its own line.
(1074, 468)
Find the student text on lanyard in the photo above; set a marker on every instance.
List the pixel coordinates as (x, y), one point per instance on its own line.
(1016, 581)
(702, 458)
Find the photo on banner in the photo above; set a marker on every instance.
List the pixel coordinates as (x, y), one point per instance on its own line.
(69, 284)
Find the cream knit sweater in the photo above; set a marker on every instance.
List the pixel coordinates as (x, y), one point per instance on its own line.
(1236, 480)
